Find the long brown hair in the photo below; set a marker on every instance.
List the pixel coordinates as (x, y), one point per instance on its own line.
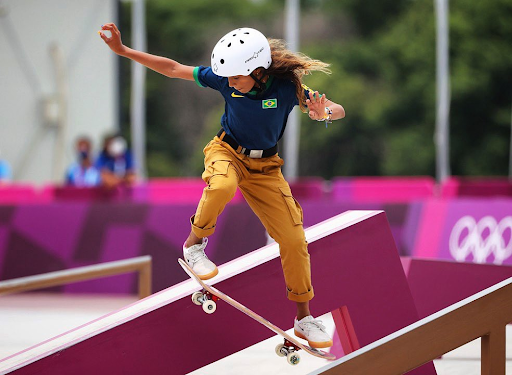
(293, 66)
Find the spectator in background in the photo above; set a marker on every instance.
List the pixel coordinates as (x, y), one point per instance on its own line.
(115, 163)
(83, 173)
(5, 171)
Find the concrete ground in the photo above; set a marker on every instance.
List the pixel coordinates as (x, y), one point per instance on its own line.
(27, 319)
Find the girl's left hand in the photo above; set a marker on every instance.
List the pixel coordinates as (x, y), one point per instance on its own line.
(316, 105)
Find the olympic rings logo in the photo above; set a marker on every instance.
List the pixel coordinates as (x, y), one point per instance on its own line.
(481, 239)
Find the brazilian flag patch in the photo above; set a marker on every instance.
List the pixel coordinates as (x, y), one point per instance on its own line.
(269, 103)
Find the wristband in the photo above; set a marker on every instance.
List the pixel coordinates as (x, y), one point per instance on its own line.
(327, 116)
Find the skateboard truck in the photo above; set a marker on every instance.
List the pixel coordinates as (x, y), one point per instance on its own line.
(206, 299)
(288, 350)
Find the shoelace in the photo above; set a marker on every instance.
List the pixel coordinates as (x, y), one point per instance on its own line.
(196, 255)
(314, 324)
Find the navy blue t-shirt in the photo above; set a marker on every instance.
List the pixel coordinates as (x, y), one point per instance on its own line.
(255, 122)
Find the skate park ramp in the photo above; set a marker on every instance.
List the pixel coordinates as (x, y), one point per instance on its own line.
(356, 269)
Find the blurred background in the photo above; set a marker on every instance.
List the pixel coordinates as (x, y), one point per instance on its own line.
(100, 159)
(60, 81)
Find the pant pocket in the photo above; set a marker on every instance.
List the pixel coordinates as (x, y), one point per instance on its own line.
(216, 168)
(294, 207)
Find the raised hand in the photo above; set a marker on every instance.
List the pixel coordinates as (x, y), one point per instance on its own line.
(316, 105)
(114, 42)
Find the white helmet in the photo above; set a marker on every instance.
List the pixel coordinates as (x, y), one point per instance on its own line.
(239, 52)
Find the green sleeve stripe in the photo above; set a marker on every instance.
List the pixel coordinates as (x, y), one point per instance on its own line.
(196, 71)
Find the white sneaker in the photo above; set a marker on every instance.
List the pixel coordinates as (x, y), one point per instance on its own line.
(199, 262)
(312, 330)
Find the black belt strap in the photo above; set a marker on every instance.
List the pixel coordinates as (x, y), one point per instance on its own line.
(251, 153)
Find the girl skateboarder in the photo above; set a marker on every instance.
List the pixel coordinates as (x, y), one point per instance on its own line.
(261, 82)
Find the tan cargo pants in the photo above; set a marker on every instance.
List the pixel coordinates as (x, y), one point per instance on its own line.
(268, 194)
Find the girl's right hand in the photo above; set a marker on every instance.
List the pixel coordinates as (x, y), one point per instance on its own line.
(114, 42)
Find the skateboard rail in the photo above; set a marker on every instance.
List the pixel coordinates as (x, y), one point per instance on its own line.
(141, 265)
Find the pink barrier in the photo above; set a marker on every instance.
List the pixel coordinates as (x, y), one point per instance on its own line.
(383, 189)
(180, 190)
(70, 193)
(22, 194)
(357, 189)
(362, 282)
(476, 187)
(189, 190)
(10, 194)
(310, 188)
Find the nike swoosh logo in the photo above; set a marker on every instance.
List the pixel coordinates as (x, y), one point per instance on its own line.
(236, 96)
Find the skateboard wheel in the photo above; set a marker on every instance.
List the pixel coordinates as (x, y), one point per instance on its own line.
(209, 306)
(293, 358)
(281, 351)
(197, 297)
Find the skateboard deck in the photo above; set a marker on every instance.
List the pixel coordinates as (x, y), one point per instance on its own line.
(210, 294)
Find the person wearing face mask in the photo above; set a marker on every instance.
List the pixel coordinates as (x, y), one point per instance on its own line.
(115, 163)
(83, 173)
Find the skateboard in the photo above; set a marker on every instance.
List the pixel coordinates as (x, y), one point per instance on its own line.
(208, 297)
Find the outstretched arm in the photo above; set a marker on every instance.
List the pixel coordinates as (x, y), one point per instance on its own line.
(162, 65)
(316, 105)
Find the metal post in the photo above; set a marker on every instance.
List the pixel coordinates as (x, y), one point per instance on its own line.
(138, 104)
(292, 133)
(61, 101)
(442, 137)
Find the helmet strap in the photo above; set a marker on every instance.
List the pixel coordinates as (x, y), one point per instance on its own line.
(261, 84)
